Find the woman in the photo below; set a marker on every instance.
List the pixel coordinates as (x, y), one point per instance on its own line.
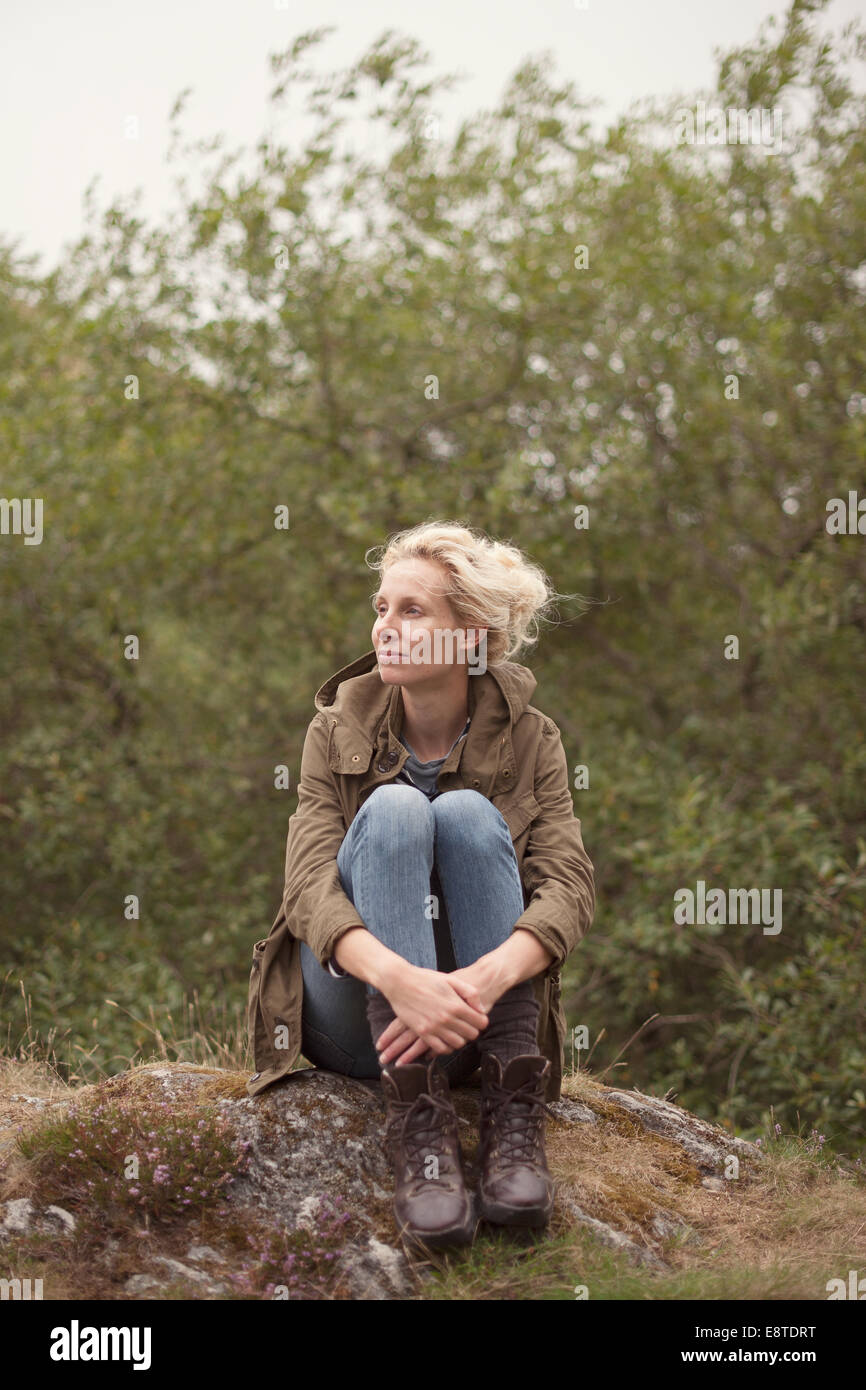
(436, 881)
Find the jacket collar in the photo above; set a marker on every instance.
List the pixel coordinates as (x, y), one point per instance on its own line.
(366, 718)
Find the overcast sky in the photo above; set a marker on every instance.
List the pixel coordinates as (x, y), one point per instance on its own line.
(73, 71)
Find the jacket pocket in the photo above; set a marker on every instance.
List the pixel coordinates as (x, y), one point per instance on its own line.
(258, 952)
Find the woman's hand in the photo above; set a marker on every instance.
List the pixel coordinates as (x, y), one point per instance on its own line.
(435, 1011)
(479, 984)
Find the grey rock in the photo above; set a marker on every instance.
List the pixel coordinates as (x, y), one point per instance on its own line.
(141, 1283)
(205, 1252)
(666, 1224)
(316, 1137)
(610, 1236)
(177, 1270)
(63, 1219)
(20, 1217)
(376, 1272)
(313, 1137)
(706, 1144)
(572, 1112)
(37, 1102)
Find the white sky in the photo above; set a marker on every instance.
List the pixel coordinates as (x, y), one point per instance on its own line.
(74, 70)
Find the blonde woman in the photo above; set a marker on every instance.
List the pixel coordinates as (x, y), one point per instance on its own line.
(436, 881)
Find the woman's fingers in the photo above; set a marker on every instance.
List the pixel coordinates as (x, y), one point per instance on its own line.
(411, 1045)
(404, 1037)
(418, 1048)
(468, 993)
(401, 1040)
(428, 1007)
(470, 1006)
(394, 1030)
(452, 1034)
(408, 1045)
(451, 1039)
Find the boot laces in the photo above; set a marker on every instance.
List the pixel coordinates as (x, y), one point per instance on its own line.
(421, 1135)
(515, 1116)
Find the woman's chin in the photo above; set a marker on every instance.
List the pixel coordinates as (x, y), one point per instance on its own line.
(402, 672)
(390, 670)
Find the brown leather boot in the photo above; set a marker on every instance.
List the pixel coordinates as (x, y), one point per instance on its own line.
(515, 1187)
(431, 1203)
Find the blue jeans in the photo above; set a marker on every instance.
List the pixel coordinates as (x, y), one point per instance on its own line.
(385, 865)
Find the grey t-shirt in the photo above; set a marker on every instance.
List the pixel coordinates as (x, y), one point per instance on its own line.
(425, 776)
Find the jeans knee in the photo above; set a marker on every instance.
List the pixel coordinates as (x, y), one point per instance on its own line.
(397, 815)
(398, 795)
(469, 814)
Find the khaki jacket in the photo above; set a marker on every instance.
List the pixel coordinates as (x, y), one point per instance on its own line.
(512, 754)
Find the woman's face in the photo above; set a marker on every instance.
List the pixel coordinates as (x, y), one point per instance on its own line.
(416, 630)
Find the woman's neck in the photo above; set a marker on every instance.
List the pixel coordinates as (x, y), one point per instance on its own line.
(434, 719)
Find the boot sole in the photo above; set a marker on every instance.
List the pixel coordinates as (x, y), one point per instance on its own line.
(464, 1234)
(441, 1240)
(498, 1214)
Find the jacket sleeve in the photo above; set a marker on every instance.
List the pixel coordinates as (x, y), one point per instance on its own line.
(558, 874)
(317, 910)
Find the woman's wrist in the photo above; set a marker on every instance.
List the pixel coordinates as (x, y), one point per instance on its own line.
(520, 958)
(392, 971)
(493, 973)
(368, 959)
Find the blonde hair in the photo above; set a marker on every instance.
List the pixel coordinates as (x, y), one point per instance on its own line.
(490, 584)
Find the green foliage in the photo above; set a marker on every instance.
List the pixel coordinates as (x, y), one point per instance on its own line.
(282, 328)
(746, 1018)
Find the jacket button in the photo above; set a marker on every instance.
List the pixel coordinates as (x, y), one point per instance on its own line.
(507, 772)
(475, 782)
(393, 758)
(381, 767)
